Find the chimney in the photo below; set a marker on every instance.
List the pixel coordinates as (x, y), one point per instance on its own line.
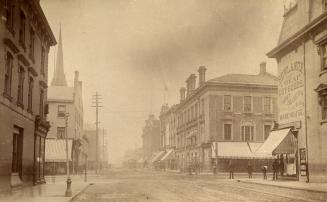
(190, 84)
(202, 75)
(262, 68)
(182, 94)
(76, 79)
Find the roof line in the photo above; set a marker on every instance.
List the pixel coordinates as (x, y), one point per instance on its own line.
(307, 28)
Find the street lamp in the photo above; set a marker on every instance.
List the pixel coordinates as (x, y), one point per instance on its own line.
(69, 181)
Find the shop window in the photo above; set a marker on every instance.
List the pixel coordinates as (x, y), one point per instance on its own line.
(8, 74)
(227, 131)
(247, 104)
(247, 133)
(227, 102)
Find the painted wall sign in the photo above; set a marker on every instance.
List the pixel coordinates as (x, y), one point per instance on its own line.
(291, 93)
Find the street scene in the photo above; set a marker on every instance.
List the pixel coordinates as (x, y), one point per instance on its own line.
(141, 100)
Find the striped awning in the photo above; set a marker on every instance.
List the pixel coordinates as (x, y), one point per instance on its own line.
(55, 150)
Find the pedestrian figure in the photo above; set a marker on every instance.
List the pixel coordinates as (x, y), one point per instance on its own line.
(264, 171)
(281, 167)
(250, 169)
(231, 169)
(214, 168)
(275, 166)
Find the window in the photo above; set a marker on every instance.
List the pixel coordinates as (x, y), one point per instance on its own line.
(247, 104)
(324, 106)
(196, 110)
(22, 29)
(32, 42)
(61, 132)
(21, 78)
(41, 110)
(61, 110)
(42, 60)
(30, 94)
(202, 106)
(17, 151)
(323, 56)
(8, 74)
(227, 131)
(227, 103)
(10, 14)
(267, 104)
(266, 131)
(247, 133)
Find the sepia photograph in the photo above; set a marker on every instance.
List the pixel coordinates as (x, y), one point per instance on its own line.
(163, 100)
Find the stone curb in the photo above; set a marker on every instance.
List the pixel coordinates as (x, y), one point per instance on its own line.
(285, 187)
(81, 191)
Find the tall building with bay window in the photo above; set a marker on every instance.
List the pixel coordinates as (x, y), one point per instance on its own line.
(65, 104)
(25, 39)
(225, 118)
(301, 55)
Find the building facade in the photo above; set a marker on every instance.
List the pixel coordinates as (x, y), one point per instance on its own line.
(222, 115)
(25, 41)
(65, 100)
(302, 97)
(94, 154)
(151, 138)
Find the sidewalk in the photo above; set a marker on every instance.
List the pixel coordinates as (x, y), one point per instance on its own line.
(314, 187)
(49, 192)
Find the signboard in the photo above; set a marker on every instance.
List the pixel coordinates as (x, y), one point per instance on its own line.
(303, 162)
(291, 93)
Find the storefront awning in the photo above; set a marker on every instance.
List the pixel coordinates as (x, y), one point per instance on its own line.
(236, 150)
(157, 156)
(167, 155)
(279, 142)
(55, 150)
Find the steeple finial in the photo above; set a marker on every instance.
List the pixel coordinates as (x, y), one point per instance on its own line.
(59, 78)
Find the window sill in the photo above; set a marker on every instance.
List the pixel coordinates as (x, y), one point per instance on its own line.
(323, 122)
(323, 72)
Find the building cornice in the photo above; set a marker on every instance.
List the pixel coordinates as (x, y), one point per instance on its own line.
(298, 35)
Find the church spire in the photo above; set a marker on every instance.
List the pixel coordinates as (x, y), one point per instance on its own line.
(59, 78)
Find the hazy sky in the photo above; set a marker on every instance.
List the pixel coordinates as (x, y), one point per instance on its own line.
(128, 50)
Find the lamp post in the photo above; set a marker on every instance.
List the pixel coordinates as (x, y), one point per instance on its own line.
(69, 181)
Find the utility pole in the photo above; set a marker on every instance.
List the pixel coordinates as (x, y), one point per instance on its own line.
(96, 100)
(103, 148)
(68, 181)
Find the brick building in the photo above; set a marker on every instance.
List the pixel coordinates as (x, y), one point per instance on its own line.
(62, 100)
(302, 99)
(25, 41)
(225, 118)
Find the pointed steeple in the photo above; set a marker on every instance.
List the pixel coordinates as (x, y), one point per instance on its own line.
(59, 78)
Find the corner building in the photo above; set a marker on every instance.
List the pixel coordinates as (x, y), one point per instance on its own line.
(25, 39)
(224, 118)
(301, 55)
